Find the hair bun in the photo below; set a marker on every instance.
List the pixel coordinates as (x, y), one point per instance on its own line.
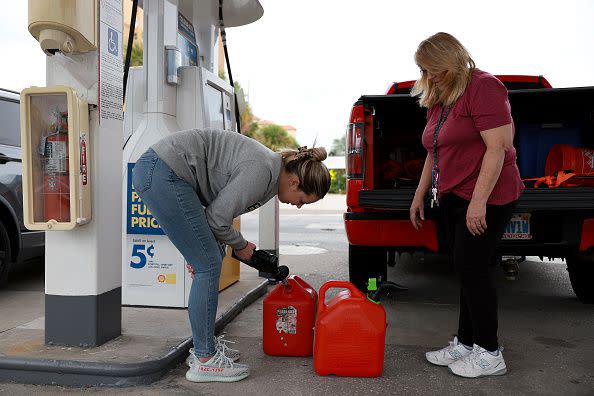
(318, 153)
(314, 153)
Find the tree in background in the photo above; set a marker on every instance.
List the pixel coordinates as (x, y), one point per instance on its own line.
(272, 136)
(248, 125)
(338, 146)
(275, 137)
(338, 183)
(136, 57)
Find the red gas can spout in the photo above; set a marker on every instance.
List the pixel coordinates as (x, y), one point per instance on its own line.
(287, 288)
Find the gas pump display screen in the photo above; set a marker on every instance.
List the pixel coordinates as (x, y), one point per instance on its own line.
(50, 173)
(214, 101)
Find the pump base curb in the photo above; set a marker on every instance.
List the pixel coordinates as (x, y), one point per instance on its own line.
(98, 374)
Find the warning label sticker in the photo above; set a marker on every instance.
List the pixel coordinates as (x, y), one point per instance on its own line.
(286, 320)
(55, 152)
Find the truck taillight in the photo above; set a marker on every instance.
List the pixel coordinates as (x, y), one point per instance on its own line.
(355, 160)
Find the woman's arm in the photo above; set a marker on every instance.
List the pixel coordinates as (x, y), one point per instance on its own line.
(418, 203)
(498, 141)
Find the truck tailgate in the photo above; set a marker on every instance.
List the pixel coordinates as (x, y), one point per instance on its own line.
(566, 199)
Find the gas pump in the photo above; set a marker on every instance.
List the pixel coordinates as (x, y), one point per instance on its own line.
(176, 89)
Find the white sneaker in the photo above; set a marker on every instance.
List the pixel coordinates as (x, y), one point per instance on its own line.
(219, 368)
(448, 355)
(220, 345)
(479, 363)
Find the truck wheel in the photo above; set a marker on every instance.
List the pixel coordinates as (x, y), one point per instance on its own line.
(581, 274)
(5, 254)
(366, 262)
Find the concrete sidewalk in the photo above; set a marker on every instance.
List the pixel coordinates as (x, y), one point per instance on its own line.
(152, 341)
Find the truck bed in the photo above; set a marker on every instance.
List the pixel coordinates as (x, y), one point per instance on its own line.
(542, 118)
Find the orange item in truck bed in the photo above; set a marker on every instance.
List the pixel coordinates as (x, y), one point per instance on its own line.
(563, 179)
(350, 333)
(289, 315)
(569, 158)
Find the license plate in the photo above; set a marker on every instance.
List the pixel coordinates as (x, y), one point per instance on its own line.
(518, 227)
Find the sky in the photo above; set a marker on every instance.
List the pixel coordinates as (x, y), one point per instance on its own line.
(304, 63)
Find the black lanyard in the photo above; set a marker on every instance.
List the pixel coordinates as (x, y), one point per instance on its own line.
(445, 111)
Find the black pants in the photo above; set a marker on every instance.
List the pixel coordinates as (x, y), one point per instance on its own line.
(473, 256)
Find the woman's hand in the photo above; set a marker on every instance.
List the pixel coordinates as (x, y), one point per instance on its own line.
(417, 211)
(245, 254)
(191, 270)
(476, 217)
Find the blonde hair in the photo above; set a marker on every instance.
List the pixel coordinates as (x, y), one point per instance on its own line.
(306, 164)
(440, 53)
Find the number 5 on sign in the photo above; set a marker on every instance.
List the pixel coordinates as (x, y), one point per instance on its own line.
(138, 251)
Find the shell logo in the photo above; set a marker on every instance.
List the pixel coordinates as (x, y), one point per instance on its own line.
(161, 278)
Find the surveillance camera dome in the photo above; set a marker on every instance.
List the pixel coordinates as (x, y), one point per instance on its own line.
(52, 41)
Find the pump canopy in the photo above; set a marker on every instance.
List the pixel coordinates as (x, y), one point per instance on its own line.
(235, 12)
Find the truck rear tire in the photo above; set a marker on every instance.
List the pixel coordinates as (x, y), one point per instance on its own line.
(366, 262)
(581, 274)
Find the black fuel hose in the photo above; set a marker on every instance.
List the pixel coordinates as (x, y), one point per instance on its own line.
(224, 40)
(129, 48)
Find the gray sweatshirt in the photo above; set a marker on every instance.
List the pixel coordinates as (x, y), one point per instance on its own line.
(231, 173)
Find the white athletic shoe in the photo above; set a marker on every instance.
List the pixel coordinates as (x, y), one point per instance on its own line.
(220, 345)
(479, 363)
(448, 355)
(219, 368)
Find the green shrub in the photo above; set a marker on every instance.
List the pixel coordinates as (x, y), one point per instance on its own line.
(338, 184)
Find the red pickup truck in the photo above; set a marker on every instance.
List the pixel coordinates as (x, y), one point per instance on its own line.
(385, 159)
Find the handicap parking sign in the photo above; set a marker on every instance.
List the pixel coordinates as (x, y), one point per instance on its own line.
(112, 41)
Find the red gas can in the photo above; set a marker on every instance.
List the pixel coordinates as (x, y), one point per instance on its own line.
(350, 333)
(289, 315)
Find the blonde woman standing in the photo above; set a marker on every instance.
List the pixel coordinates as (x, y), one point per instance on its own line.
(195, 183)
(470, 172)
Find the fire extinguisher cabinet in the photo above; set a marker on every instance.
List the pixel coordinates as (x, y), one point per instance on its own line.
(55, 141)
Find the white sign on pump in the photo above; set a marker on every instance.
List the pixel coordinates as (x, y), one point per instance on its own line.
(111, 61)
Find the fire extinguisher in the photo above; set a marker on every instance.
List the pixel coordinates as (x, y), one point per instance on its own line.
(56, 184)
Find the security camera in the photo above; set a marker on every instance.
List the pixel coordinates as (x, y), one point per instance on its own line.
(52, 41)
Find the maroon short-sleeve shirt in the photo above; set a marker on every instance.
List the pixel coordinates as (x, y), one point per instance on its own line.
(484, 105)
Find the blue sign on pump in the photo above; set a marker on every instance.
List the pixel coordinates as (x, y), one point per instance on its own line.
(139, 219)
(186, 41)
(112, 41)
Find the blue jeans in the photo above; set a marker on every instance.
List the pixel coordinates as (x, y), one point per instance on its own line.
(179, 212)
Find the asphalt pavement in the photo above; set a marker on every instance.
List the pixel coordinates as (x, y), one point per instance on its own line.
(547, 334)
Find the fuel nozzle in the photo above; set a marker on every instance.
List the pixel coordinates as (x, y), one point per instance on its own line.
(376, 288)
(267, 262)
